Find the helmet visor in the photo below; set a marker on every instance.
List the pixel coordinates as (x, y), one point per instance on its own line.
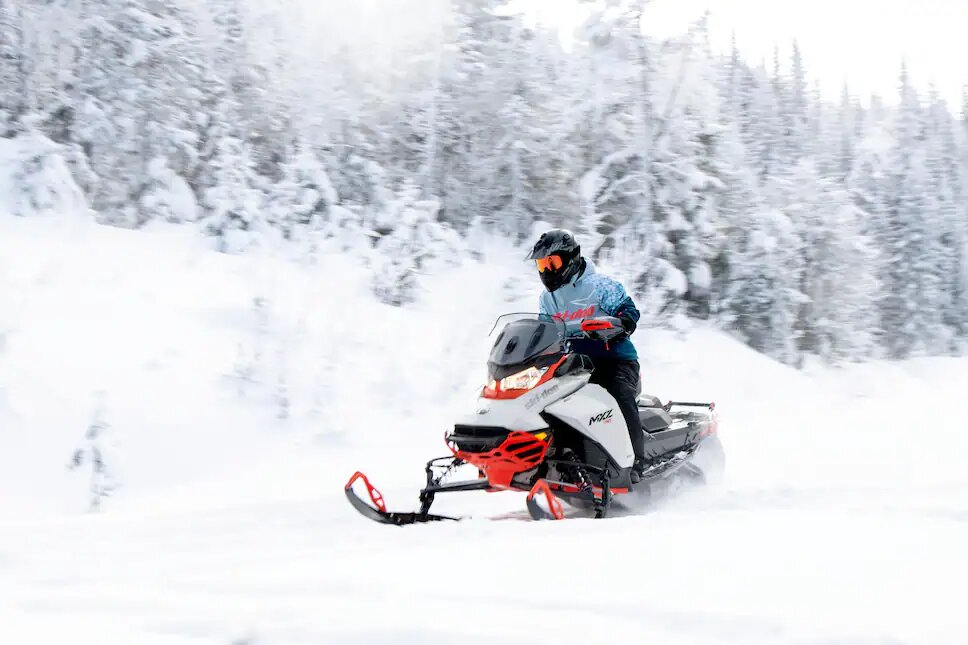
(549, 263)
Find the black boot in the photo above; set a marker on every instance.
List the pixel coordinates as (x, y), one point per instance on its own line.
(638, 470)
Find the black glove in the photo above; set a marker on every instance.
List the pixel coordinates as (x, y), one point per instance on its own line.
(628, 325)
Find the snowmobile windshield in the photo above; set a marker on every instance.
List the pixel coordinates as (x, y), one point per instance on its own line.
(523, 337)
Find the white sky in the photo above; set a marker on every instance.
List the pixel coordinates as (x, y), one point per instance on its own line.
(860, 41)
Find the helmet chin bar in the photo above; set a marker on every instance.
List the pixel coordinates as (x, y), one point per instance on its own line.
(552, 280)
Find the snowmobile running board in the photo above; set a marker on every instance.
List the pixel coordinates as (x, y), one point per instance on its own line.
(689, 404)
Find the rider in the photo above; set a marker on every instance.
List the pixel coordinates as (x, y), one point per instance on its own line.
(574, 292)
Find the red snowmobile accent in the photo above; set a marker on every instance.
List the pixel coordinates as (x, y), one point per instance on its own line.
(597, 491)
(554, 504)
(595, 324)
(519, 452)
(375, 496)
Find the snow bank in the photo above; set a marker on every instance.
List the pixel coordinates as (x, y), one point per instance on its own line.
(35, 178)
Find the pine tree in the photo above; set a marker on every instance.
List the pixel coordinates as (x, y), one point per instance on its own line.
(14, 88)
(619, 129)
(912, 306)
(796, 121)
(614, 105)
(234, 204)
(839, 277)
(960, 296)
(946, 191)
(99, 452)
(843, 142)
(138, 79)
(764, 296)
(760, 123)
(413, 241)
(730, 83)
(734, 205)
(304, 197)
(472, 91)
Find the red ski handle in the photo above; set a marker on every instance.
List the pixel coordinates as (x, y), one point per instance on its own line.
(554, 504)
(375, 496)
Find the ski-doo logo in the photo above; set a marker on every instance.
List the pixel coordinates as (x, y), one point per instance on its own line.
(575, 315)
(541, 396)
(605, 417)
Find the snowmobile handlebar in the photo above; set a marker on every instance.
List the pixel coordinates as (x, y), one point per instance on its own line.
(602, 328)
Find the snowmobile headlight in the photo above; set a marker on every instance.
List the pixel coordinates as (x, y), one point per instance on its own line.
(524, 380)
(511, 387)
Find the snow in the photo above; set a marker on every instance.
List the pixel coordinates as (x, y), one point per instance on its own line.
(842, 519)
(169, 194)
(35, 178)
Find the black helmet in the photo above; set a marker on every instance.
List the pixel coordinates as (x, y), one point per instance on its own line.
(558, 256)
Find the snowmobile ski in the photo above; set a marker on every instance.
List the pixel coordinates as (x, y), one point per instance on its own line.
(555, 510)
(380, 513)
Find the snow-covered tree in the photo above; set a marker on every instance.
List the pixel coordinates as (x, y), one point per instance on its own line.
(909, 239)
(764, 296)
(839, 281)
(14, 88)
(42, 181)
(842, 141)
(234, 204)
(618, 127)
(303, 198)
(472, 90)
(98, 453)
(167, 195)
(138, 82)
(411, 241)
(946, 198)
(530, 155)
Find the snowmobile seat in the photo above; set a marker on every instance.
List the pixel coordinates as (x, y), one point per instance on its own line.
(654, 419)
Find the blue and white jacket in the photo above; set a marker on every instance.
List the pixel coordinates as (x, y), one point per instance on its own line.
(588, 295)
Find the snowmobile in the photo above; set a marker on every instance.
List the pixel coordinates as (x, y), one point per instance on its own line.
(541, 428)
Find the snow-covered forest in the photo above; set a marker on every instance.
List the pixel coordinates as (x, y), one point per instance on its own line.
(712, 186)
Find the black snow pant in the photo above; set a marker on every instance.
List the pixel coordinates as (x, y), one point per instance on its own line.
(621, 379)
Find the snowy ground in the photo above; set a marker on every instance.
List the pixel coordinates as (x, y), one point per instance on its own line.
(843, 519)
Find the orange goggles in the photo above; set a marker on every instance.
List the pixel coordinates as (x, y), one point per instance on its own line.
(548, 263)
